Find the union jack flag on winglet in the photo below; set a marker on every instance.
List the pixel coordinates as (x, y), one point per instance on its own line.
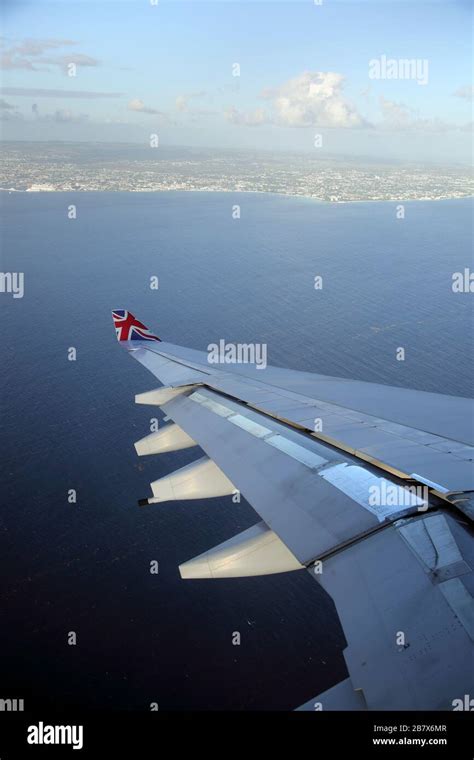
(129, 327)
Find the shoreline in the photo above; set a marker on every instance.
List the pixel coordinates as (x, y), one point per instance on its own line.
(301, 196)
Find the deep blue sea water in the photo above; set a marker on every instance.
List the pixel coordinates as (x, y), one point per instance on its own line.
(144, 638)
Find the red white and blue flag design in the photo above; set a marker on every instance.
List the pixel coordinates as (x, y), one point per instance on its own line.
(129, 327)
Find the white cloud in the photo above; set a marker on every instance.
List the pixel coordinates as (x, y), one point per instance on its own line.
(63, 61)
(395, 115)
(37, 47)
(313, 99)
(466, 92)
(400, 117)
(29, 55)
(248, 119)
(316, 99)
(182, 101)
(138, 105)
(36, 92)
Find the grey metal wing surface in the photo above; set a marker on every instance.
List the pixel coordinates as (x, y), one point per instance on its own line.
(367, 487)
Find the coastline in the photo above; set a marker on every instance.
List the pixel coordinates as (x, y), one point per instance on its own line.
(301, 196)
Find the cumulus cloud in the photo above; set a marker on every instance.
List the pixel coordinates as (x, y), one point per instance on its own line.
(394, 114)
(138, 105)
(316, 99)
(400, 117)
(466, 92)
(312, 99)
(182, 101)
(247, 118)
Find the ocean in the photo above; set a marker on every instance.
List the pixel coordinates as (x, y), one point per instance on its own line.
(84, 567)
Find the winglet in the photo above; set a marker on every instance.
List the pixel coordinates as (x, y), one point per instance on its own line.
(129, 327)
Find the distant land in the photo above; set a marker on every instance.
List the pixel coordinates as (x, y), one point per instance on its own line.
(63, 167)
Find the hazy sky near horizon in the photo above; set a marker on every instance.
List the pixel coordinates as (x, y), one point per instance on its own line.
(383, 79)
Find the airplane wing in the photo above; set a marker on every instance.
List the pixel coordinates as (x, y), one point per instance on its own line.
(367, 487)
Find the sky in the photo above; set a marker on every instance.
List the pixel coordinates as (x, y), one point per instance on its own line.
(379, 79)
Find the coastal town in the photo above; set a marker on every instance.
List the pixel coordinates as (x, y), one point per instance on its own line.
(73, 167)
